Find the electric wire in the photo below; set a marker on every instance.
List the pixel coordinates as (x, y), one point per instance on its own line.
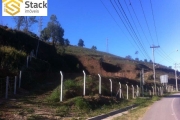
(133, 30)
(125, 26)
(138, 20)
(162, 51)
(146, 21)
(116, 23)
(154, 22)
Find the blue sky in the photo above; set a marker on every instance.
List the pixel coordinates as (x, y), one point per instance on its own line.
(95, 21)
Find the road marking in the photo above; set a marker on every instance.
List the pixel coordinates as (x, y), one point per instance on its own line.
(174, 114)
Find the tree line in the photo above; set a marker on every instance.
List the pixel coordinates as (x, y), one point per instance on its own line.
(53, 32)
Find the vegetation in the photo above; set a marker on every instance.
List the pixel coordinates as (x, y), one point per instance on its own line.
(81, 43)
(53, 32)
(11, 58)
(24, 22)
(94, 47)
(41, 78)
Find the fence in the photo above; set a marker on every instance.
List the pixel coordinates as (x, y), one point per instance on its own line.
(9, 85)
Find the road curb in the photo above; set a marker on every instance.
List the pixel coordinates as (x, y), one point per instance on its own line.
(100, 117)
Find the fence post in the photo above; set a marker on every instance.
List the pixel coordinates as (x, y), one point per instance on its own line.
(127, 91)
(137, 92)
(110, 86)
(120, 90)
(7, 84)
(99, 84)
(132, 91)
(84, 91)
(20, 78)
(160, 91)
(61, 86)
(27, 60)
(15, 81)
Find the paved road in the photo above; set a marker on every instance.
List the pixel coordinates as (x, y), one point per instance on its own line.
(167, 108)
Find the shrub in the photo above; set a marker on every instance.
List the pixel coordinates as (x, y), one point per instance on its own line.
(70, 85)
(82, 104)
(11, 58)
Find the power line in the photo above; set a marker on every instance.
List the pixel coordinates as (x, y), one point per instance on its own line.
(138, 20)
(133, 21)
(167, 56)
(154, 22)
(126, 26)
(116, 23)
(157, 34)
(146, 21)
(162, 54)
(133, 29)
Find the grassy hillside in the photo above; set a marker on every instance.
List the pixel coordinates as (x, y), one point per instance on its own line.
(16, 45)
(40, 90)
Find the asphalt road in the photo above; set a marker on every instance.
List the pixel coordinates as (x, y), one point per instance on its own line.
(167, 108)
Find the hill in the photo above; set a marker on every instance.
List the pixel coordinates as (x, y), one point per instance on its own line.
(73, 59)
(38, 96)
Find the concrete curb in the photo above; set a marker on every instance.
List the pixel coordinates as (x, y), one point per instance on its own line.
(100, 117)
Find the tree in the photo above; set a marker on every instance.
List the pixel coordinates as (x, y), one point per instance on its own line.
(28, 22)
(81, 43)
(66, 42)
(25, 22)
(128, 57)
(55, 31)
(150, 61)
(94, 47)
(170, 67)
(137, 59)
(45, 35)
(19, 21)
(145, 60)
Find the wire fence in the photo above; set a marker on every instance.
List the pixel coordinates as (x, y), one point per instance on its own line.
(8, 86)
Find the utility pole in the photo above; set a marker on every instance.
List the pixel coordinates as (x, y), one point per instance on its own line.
(176, 76)
(154, 66)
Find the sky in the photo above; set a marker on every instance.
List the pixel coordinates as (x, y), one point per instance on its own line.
(119, 27)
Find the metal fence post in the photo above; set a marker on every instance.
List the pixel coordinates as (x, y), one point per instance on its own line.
(137, 93)
(99, 84)
(27, 61)
(84, 91)
(110, 86)
(15, 81)
(20, 78)
(120, 90)
(7, 84)
(127, 91)
(132, 91)
(61, 86)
